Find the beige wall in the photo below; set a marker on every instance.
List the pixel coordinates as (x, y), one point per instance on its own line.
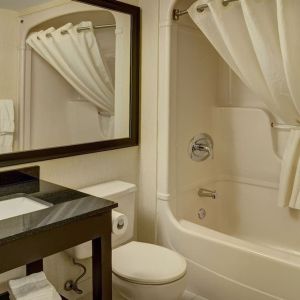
(8, 54)
(148, 148)
(9, 57)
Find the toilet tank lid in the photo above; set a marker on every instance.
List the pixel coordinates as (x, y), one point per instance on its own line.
(114, 188)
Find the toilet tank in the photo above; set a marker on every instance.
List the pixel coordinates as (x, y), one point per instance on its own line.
(120, 192)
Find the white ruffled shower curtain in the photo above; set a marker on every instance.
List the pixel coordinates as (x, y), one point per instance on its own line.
(76, 56)
(260, 41)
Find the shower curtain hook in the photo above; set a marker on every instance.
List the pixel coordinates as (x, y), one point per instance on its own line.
(226, 2)
(201, 8)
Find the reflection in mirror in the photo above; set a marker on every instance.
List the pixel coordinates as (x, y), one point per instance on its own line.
(67, 78)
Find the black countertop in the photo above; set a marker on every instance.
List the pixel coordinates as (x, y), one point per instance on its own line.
(66, 205)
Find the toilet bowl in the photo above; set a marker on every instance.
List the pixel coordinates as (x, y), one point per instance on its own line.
(140, 271)
(145, 272)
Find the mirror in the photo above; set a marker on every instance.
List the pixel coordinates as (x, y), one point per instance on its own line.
(71, 80)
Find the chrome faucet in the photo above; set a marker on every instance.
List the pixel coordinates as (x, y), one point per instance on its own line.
(205, 193)
(201, 147)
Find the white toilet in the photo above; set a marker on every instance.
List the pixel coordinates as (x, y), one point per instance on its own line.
(141, 271)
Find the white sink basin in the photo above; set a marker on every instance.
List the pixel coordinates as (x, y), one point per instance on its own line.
(19, 206)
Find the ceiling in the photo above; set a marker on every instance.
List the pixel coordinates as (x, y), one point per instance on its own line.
(19, 5)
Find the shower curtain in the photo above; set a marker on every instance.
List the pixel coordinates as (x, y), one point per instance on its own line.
(76, 56)
(260, 41)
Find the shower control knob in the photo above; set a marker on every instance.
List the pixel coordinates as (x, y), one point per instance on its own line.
(201, 147)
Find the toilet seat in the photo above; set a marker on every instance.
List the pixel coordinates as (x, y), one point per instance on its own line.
(147, 264)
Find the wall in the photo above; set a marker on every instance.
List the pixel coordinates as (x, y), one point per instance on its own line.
(148, 148)
(76, 172)
(9, 56)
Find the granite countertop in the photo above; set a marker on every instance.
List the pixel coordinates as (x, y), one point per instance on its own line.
(65, 205)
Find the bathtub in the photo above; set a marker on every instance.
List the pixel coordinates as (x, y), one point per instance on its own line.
(245, 248)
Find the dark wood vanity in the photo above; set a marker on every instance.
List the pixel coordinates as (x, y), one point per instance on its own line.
(71, 219)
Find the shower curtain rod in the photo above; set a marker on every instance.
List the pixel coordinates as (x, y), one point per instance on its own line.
(284, 126)
(178, 13)
(86, 28)
(97, 27)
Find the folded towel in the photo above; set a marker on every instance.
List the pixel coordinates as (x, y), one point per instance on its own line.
(7, 126)
(295, 197)
(7, 118)
(6, 143)
(290, 173)
(35, 286)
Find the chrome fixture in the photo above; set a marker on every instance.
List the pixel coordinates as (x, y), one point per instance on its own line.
(71, 285)
(178, 13)
(205, 193)
(201, 213)
(201, 147)
(284, 126)
(82, 28)
(226, 2)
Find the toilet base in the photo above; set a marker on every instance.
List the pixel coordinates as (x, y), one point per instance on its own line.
(125, 290)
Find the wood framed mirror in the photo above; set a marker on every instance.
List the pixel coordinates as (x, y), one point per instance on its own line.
(72, 80)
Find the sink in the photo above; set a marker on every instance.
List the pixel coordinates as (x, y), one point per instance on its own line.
(20, 205)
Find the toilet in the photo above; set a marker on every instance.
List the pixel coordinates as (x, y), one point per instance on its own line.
(140, 271)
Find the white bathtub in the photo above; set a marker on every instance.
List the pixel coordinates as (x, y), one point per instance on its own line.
(256, 256)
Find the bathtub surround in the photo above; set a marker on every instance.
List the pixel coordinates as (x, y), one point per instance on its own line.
(246, 246)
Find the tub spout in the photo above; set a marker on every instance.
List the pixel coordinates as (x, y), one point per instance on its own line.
(205, 193)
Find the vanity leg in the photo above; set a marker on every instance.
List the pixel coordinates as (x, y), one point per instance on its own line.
(34, 267)
(102, 273)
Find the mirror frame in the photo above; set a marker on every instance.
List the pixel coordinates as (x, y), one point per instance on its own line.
(22, 157)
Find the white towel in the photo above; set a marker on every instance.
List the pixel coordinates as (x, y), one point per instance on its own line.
(7, 125)
(290, 173)
(35, 286)
(295, 197)
(7, 118)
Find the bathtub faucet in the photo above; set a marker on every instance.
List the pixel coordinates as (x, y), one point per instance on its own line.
(207, 193)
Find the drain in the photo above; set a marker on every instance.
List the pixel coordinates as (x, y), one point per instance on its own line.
(201, 213)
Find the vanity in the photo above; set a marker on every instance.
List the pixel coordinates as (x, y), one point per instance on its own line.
(60, 218)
